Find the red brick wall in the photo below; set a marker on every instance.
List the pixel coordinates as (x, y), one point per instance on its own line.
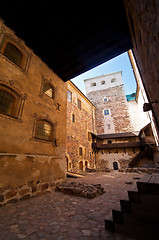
(77, 133)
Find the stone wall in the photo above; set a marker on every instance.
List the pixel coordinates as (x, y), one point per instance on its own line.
(78, 132)
(123, 157)
(118, 118)
(143, 18)
(23, 157)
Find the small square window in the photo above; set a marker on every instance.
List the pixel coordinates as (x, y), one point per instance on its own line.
(106, 112)
(102, 82)
(78, 103)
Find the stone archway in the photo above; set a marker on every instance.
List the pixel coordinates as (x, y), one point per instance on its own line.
(81, 166)
(86, 164)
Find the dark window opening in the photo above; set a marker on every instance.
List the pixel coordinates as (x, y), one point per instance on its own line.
(79, 104)
(73, 118)
(13, 53)
(80, 151)
(7, 102)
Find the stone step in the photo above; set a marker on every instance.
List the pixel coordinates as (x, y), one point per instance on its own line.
(131, 226)
(144, 209)
(137, 197)
(148, 188)
(134, 196)
(137, 229)
(140, 208)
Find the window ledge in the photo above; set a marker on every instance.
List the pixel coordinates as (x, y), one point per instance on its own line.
(53, 142)
(13, 64)
(10, 117)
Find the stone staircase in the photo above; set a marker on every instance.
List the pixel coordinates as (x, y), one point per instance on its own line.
(138, 216)
(139, 156)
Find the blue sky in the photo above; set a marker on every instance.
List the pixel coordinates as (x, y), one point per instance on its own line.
(119, 63)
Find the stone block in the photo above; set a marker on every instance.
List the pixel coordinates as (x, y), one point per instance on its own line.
(25, 197)
(24, 191)
(34, 189)
(11, 193)
(13, 200)
(44, 186)
(1, 198)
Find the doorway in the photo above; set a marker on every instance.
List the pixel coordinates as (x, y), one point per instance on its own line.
(115, 165)
(81, 166)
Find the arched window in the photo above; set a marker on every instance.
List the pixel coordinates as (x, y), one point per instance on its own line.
(44, 130)
(9, 101)
(80, 151)
(13, 53)
(113, 80)
(48, 90)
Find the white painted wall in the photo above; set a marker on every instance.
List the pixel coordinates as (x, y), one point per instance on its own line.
(138, 118)
(108, 78)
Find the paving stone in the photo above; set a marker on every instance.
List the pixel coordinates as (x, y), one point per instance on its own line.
(21, 236)
(86, 232)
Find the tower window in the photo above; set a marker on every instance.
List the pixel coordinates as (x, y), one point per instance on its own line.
(113, 80)
(109, 126)
(13, 53)
(106, 112)
(105, 99)
(93, 84)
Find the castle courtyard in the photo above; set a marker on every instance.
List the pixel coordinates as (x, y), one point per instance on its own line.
(65, 217)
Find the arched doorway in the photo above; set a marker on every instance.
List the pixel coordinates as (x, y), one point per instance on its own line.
(81, 166)
(115, 165)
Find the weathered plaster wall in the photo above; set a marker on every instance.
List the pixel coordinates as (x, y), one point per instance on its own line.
(121, 156)
(22, 157)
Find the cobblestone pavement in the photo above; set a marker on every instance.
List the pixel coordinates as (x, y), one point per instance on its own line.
(64, 217)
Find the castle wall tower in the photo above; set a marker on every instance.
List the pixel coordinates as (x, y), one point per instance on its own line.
(106, 92)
